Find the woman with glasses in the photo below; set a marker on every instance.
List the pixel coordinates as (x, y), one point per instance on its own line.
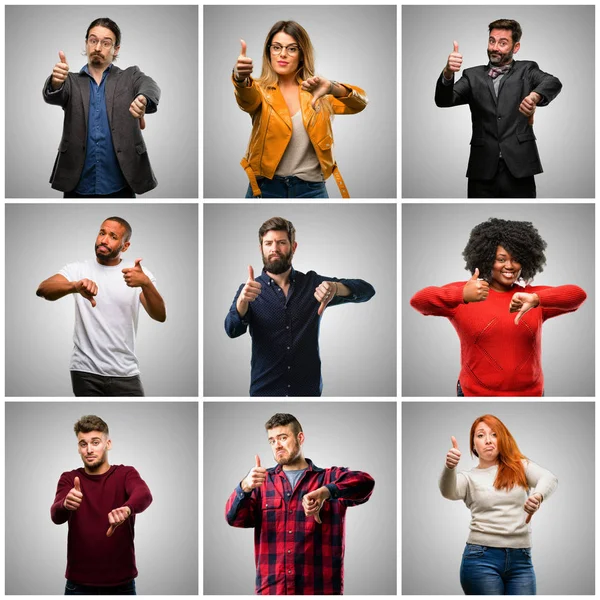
(290, 150)
(502, 492)
(497, 313)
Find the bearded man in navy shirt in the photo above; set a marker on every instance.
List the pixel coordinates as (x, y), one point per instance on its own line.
(283, 309)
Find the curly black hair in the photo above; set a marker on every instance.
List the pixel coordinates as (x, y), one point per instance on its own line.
(520, 238)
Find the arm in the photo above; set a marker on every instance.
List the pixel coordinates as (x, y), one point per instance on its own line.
(453, 485)
(240, 510)
(146, 86)
(348, 99)
(544, 84)
(56, 287)
(351, 487)
(349, 290)
(451, 93)
(58, 513)
(153, 302)
(555, 301)
(540, 480)
(139, 497)
(247, 94)
(439, 301)
(236, 324)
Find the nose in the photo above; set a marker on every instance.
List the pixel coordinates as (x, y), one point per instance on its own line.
(283, 50)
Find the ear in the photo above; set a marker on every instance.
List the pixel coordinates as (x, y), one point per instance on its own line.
(301, 438)
(109, 444)
(516, 47)
(125, 246)
(116, 52)
(294, 246)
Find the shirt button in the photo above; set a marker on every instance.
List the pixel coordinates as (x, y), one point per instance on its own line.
(289, 385)
(288, 493)
(291, 511)
(289, 551)
(499, 118)
(287, 326)
(289, 367)
(290, 531)
(288, 347)
(289, 572)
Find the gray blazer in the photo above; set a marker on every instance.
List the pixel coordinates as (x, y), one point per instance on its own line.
(121, 88)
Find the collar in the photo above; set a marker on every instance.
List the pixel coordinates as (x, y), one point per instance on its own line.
(292, 275)
(311, 467)
(85, 69)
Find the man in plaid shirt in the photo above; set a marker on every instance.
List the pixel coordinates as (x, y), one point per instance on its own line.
(297, 510)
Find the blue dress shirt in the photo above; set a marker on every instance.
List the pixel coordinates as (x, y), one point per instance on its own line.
(285, 332)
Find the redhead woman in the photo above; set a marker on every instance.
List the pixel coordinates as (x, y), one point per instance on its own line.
(502, 492)
(290, 154)
(497, 313)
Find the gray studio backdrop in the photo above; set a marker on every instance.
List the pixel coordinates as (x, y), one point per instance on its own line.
(435, 141)
(42, 238)
(433, 238)
(161, 40)
(356, 241)
(558, 436)
(353, 44)
(357, 435)
(159, 439)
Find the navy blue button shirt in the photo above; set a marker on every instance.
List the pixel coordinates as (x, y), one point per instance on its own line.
(101, 172)
(285, 332)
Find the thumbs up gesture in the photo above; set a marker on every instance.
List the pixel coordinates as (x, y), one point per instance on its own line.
(256, 477)
(60, 71)
(522, 303)
(532, 504)
(116, 518)
(137, 109)
(454, 62)
(476, 290)
(249, 293)
(135, 276)
(453, 456)
(74, 497)
(243, 66)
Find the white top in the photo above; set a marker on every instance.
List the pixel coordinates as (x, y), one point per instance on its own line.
(104, 338)
(497, 516)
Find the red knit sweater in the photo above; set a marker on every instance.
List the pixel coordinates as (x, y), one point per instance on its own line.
(92, 557)
(497, 357)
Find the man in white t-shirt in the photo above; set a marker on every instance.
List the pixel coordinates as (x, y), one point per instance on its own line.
(107, 304)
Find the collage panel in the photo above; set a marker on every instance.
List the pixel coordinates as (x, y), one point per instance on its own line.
(133, 332)
(139, 479)
(526, 472)
(286, 506)
(527, 267)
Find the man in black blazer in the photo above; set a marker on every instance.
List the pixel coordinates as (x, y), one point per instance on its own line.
(102, 153)
(502, 96)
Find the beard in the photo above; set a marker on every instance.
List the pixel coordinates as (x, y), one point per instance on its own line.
(95, 465)
(501, 58)
(107, 257)
(286, 459)
(278, 265)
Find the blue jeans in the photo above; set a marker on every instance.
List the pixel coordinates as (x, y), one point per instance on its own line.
(289, 187)
(489, 571)
(75, 589)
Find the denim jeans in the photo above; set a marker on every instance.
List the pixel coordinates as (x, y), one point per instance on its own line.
(75, 589)
(89, 384)
(289, 187)
(489, 571)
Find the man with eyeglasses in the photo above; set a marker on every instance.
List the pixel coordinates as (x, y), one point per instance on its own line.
(102, 153)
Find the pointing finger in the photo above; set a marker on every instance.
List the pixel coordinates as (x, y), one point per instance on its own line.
(454, 442)
(455, 46)
(243, 43)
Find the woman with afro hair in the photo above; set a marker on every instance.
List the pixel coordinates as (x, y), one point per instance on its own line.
(500, 350)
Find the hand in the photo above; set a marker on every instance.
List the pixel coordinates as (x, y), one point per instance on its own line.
(88, 289)
(532, 505)
(318, 87)
(521, 303)
(324, 294)
(249, 293)
(116, 518)
(313, 501)
(453, 456)
(454, 62)
(243, 66)
(256, 477)
(476, 290)
(137, 109)
(135, 276)
(60, 71)
(74, 497)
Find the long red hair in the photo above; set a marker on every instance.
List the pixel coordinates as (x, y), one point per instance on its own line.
(511, 471)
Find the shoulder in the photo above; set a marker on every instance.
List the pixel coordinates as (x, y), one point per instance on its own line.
(526, 64)
(478, 71)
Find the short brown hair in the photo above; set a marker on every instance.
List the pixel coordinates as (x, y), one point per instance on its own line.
(509, 24)
(277, 224)
(89, 423)
(123, 223)
(283, 419)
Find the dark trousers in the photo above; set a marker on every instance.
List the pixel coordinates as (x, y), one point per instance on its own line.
(126, 192)
(89, 384)
(503, 185)
(75, 589)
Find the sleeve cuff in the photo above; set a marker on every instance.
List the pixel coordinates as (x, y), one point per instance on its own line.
(334, 492)
(240, 493)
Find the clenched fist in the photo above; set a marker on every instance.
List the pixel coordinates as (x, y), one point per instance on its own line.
(313, 501)
(88, 289)
(135, 276)
(454, 62)
(116, 518)
(256, 477)
(243, 66)
(324, 294)
(522, 302)
(532, 505)
(476, 290)
(60, 71)
(137, 109)
(453, 456)
(74, 497)
(528, 104)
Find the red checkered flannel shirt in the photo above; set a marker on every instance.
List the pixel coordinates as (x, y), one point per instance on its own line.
(293, 553)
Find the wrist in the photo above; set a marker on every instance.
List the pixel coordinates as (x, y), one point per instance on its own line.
(448, 75)
(245, 487)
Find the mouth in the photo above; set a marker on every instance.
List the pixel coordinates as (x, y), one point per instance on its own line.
(508, 275)
(282, 63)
(102, 248)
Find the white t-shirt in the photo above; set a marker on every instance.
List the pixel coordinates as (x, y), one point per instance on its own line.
(104, 336)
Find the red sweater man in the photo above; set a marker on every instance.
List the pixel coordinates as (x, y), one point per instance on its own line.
(99, 502)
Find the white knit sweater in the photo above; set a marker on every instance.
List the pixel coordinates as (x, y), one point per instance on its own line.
(497, 516)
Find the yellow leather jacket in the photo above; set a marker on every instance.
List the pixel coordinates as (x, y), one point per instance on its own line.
(272, 128)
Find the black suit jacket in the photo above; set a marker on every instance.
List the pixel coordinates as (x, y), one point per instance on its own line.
(498, 126)
(121, 88)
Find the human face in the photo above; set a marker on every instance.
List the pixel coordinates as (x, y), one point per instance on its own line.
(277, 252)
(284, 64)
(110, 244)
(93, 448)
(505, 271)
(500, 47)
(286, 447)
(485, 443)
(100, 57)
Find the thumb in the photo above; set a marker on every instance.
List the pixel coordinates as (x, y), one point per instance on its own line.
(77, 484)
(137, 263)
(318, 518)
(110, 531)
(455, 46)
(250, 273)
(475, 275)
(454, 442)
(531, 120)
(257, 460)
(62, 57)
(142, 123)
(528, 518)
(520, 314)
(243, 52)
(321, 308)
